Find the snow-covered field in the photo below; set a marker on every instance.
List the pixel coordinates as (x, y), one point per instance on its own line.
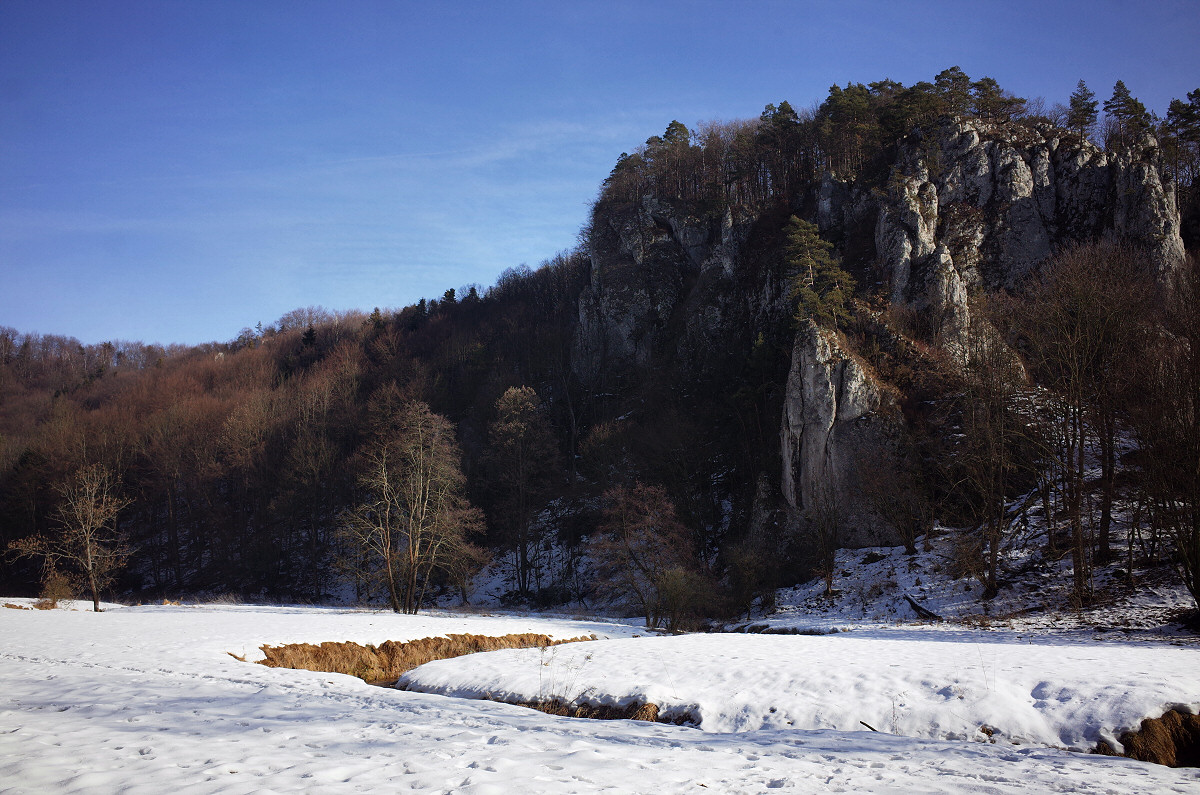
(146, 699)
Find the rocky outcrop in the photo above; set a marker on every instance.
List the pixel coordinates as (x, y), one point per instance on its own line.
(835, 422)
(638, 270)
(670, 286)
(973, 205)
(681, 290)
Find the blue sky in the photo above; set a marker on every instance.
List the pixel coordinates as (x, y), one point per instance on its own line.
(173, 171)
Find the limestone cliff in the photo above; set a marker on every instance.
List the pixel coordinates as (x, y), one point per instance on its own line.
(834, 424)
(671, 287)
(681, 289)
(977, 206)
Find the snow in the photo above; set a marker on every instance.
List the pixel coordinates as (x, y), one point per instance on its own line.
(146, 699)
(936, 685)
(871, 585)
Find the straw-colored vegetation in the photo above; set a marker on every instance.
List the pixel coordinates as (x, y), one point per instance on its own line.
(387, 662)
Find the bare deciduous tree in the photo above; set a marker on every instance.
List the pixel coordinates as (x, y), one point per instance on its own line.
(1167, 422)
(412, 519)
(1082, 319)
(88, 543)
(643, 554)
(522, 458)
(993, 433)
(824, 517)
(891, 483)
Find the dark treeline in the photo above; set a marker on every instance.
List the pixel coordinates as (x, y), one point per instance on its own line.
(262, 466)
(240, 458)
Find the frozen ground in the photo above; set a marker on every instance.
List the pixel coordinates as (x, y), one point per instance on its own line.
(146, 699)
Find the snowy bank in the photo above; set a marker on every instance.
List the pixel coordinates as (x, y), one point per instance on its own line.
(936, 685)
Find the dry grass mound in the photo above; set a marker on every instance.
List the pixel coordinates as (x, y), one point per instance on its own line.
(1172, 740)
(385, 663)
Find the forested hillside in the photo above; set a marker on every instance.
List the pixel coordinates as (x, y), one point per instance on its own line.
(777, 337)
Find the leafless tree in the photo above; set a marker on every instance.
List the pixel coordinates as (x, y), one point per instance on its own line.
(1081, 324)
(88, 543)
(891, 484)
(643, 554)
(412, 518)
(993, 434)
(824, 517)
(523, 455)
(1167, 422)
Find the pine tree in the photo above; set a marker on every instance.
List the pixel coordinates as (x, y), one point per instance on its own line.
(1127, 113)
(1183, 118)
(1083, 110)
(954, 89)
(993, 103)
(819, 282)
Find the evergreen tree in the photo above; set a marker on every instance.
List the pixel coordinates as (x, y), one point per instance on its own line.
(1127, 113)
(911, 106)
(994, 103)
(1183, 118)
(954, 89)
(1081, 117)
(819, 282)
(848, 127)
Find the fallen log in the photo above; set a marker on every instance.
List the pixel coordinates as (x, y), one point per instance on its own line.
(921, 611)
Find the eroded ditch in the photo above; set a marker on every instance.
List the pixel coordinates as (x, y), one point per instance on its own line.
(1172, 740)
(383, 665)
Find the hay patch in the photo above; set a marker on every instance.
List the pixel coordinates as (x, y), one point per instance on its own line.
(387, 662)
(1172, 740)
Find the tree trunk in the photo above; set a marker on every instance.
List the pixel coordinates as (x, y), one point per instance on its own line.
(173, 537)
(1108, 468)
(1076, 470)
(393, 596)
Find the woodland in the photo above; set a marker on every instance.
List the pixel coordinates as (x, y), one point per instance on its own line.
(391, 456)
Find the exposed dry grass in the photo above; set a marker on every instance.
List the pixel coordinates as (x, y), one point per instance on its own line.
(635, 711)
(388, 661)
(1172, 740)
(12, 606)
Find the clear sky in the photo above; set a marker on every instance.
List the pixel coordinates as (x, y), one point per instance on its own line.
(175, 170)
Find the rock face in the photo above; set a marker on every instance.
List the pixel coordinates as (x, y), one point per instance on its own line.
(670, 288)
(833, 425)
(973, 205)
(969, 206)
